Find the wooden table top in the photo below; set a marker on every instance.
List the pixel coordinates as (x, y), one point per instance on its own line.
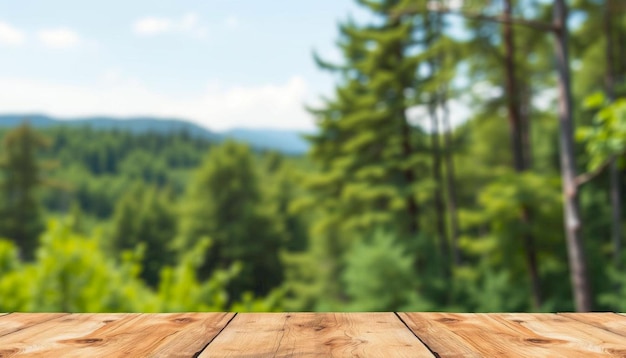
(313, 334)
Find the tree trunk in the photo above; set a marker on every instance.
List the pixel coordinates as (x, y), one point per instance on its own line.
(516, 129)
(575, 249)
(616, 217)
(409, 177)
(525, 112)
(513, 95)
(438, 197)
(531, 259)
(608, 35)
(616, 202)
(621, 54)
(434, 29)
(407, 150)
(450, 178)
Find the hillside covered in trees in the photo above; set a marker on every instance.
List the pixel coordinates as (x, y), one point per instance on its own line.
(519, 208)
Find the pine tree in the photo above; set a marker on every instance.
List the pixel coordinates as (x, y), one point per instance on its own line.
(20, 176)
(224, 203)
(145, 218)
(367, 149)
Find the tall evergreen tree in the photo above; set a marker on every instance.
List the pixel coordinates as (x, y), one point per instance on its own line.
(225, 204)
(20, 176)
(367, 148)
(146, 217)
(433, 26)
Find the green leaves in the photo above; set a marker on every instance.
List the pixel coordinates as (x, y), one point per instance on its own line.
(20, 177)
(379, 276)
(595, 101)
(224, 201)
(72, 273)
(606, 137)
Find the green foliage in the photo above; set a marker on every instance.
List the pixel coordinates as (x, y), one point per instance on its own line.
(20, 176)
(9, 258)
(281, 187)
(72, 273)
(615, 297)
(491, 290)
(368, 152)
(97, 166)
(495, 232)
(144, 218)
(606, 137)
(224, 202)
(379, 276)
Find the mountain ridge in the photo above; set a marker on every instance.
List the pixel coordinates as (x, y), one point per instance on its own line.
(286, 141)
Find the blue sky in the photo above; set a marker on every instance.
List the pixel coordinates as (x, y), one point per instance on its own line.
(220, 63)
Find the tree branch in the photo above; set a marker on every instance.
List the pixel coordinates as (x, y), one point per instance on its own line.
(537, 25)
(587, 177)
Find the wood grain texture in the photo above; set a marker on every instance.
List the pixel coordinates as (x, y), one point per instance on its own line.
(316, 335)
(14, 322)
(196, 336)
(49, 337)
(432, 330)
(609, 321)
(313, 334)
(589, 340)
(512, 335)
(117, 335)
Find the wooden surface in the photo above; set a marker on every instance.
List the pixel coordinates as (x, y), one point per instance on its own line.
(313, 334)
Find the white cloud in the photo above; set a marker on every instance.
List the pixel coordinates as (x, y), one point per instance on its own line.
(187, 24)
(58, 38)
(10, 35)
(459, 113)
(232, 22)
(217, 107)
(152, 26)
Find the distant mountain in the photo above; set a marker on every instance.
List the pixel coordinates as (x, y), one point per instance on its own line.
(134, 125)
(285, 141)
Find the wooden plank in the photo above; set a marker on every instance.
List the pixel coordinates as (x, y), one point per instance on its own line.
(441, 339)
(194, 338)
(316, 334)
(588, 339)
(163, 334)
(122, 335)
(14, 322)
(311, 334)
(510, 335)
(48, 337)
(606, 320)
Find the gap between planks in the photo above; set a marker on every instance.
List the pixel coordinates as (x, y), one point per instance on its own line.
(197, 354)
(415, 334)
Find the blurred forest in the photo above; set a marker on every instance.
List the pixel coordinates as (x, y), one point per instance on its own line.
(518, 208)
